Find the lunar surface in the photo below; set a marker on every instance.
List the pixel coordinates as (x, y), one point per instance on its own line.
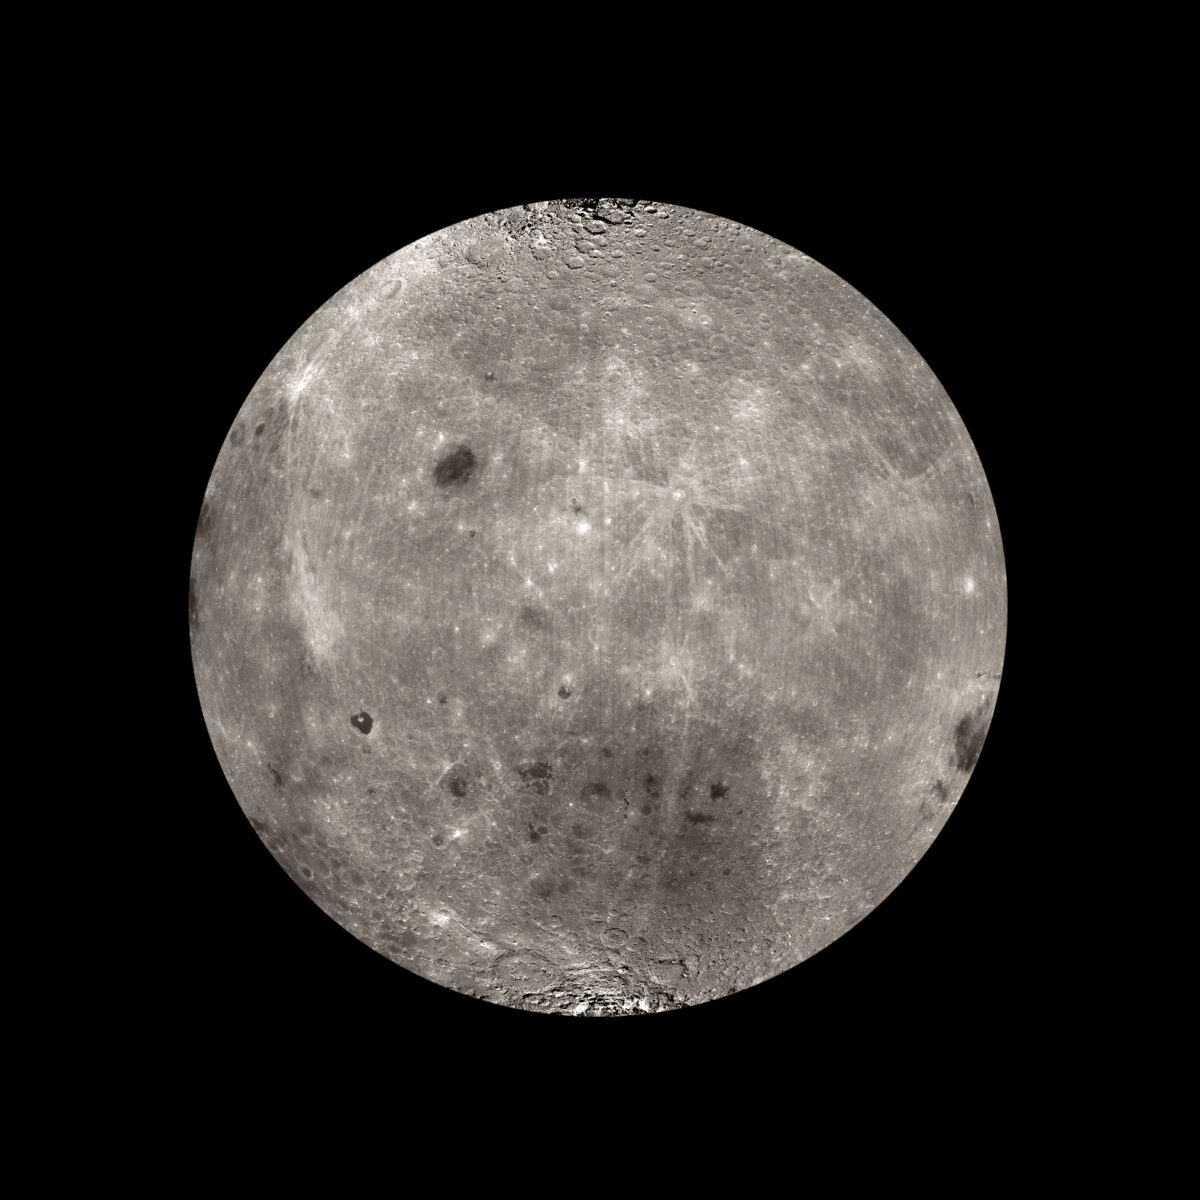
(597, 607)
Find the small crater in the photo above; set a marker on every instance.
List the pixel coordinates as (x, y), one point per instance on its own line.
(564, 692)
(275, 776)
(455, 469)
(363, 722)
(718, 790)
(438, 840)
(258, 429)
(193, 604)
(490, 376)
(470, 533)
(534, 616)
(969, 735)
(237, 435)
(442, 698)
(699, 818)
(647, 809)
(542, 886)
(595, 795)
(456, 782)
(576, 507)
(612, 938)
(940, 790)
(606, 751)
(534, 836)
(537, 776)
(204, 521)
(653, 786)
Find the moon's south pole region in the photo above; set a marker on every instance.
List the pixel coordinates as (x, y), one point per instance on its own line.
(597, 607)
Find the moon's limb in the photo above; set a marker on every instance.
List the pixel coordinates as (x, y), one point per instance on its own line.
(597, 607)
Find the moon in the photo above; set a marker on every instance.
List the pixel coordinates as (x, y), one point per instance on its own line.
(597, 607)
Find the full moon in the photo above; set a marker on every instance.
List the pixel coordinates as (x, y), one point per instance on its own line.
(597, 607)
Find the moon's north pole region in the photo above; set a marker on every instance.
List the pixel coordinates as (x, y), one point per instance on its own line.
(597, 607)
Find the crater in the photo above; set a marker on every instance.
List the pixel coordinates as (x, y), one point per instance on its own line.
(204, 521)
(363, 722)
(595, 795)
(456, 782)
(456, 468)
(534, 616)
(718, 790)
(536, 775)
(969, 736)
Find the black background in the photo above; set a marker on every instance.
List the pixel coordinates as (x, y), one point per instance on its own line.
(949, 963)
